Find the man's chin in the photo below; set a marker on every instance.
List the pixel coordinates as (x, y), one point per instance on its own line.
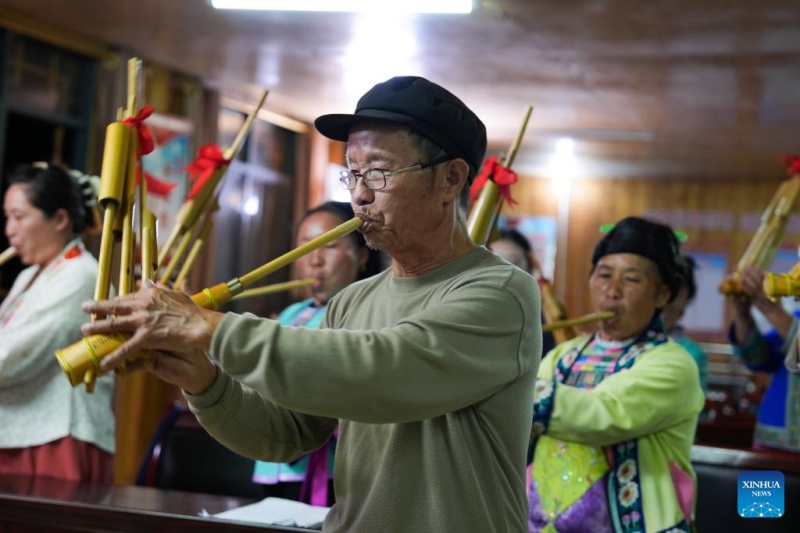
(373, 245)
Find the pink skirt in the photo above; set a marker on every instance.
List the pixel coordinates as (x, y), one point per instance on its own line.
(68, 458)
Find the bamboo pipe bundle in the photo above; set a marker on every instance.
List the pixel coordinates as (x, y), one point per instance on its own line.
(118, 197)
(83, 357)
(764, 245)
(194, 208)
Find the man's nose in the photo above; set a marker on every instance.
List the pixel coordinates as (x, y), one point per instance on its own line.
(361, 195)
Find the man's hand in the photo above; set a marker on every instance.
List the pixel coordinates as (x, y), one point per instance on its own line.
(157, 319)
(192, 371)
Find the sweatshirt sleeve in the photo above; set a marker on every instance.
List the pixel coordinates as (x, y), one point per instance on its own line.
(254, 427)
(659, 391)
(450, 355)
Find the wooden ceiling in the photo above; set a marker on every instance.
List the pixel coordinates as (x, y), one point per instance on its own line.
(647, 89)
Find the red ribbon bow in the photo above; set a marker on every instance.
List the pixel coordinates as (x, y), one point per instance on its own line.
(145, 146)
(156, 186)
(146, 143)
(503, 177)
(209, 159)
(792, 163)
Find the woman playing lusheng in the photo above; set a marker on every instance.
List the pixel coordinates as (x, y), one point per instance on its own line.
(335, 266)
(49, 428)
(615, 412)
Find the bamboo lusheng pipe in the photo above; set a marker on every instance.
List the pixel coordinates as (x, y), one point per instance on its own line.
(135, 82)
(82, 358)
(149, 245)
(128, 245)
(552, 308)
(277, 287)
(555, 313)
(484, 213)
(197, 247)
(112, 185)
(764, 245)
(585, 319)
(195, 207)
(7, 255)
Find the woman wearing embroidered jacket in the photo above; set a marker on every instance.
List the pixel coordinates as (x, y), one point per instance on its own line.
(615, 412)
(335, 266)
(49, 428)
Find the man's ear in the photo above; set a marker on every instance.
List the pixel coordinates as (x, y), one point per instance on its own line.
(456, 178)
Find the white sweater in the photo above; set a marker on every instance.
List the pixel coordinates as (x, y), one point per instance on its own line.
(37, 403)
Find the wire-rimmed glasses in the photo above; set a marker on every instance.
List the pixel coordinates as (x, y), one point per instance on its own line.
(375, 179)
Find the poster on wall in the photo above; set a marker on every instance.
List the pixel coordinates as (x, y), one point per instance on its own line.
(706, 313)
(541, 234)
(164, 167)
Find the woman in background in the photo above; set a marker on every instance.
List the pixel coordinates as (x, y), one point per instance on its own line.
(515, 248)
(335, 266)
(48, 427)
(615, 412)
(675, 310)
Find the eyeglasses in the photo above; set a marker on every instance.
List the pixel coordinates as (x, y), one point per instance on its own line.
(375, 179)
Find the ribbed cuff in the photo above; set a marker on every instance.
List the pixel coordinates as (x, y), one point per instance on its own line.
(212, 395)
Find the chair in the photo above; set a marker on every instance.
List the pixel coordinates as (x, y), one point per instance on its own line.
(183, 456)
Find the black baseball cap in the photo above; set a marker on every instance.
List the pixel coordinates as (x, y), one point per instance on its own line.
(427, 107)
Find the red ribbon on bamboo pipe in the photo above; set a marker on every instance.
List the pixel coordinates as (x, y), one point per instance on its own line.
(146, 145)
(792, 163)
(503, 177)
(146, 142)
(209, 159)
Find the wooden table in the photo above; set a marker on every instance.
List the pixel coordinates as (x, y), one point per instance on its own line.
(747, 459)
(42, 504)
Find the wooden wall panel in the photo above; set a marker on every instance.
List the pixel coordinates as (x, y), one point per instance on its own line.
(597, 202)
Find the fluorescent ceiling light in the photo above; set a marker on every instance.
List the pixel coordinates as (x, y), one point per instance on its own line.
(353, 6)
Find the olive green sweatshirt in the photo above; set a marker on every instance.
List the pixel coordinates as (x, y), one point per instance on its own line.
(430, 379)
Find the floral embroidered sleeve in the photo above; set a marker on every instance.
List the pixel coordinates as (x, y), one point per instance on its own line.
(543, 397)
(660, 391)
(543, 393)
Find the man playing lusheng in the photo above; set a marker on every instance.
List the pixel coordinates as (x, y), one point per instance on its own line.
(428, 367)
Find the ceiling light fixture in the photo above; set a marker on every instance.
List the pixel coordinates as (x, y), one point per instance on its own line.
(352, 6)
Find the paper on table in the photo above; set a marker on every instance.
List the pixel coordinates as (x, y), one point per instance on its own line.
(279, 512)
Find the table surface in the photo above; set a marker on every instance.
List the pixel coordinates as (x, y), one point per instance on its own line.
(747, 459)
(31, 503)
